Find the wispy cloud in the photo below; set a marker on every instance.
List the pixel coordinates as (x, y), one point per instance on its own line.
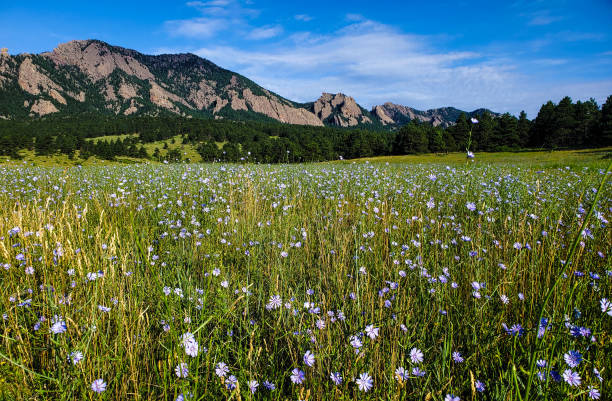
(544, 20)
(196, 27)
(216, 16)
(372, 62)
(303, 17)
(265, 32)
(376, 63)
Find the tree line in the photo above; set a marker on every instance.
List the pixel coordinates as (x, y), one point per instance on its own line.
(557, 126)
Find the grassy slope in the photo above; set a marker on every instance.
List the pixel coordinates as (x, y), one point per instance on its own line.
(528, 158)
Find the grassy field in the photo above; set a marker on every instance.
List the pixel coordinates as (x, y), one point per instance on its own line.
(560, 158)
(404, 278)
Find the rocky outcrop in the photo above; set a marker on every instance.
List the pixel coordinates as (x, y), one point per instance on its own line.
(43, 107)
(340, 110)
(395, 114)
(97, 60)
(280, 110)
(33, 81)
(123, 81)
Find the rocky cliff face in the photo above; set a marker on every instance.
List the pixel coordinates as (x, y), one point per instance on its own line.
(340, 110)
(94, 76)
(395, 114)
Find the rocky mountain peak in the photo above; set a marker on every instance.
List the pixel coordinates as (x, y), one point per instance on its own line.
(341, 110)
(91, 76)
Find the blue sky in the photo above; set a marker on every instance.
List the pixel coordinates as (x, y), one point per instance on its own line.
(507, 55)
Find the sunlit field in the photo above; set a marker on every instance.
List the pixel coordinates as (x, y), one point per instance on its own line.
(378, 280)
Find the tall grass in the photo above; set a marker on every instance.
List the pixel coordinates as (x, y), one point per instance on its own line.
(441, 259)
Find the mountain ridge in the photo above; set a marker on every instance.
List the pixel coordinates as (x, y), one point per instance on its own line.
(96, 77)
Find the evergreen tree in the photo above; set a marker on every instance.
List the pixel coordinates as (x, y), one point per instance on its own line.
(523, 127)
(604, 129)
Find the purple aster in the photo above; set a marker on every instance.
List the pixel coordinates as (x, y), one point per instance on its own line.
(457, 357)
(181, 370)
(98, 385)
(230, 382)
(253, 386)
(416, 356)
(594, 394)
(336, 377)
(221, 369)
(58, 325)
(572, 358)
(297, 376)
(372, 331)
(572, 378)
(480, 386)
(75, 357)
(364, 382)
(309, 359)
(401, 374)
(606, 306)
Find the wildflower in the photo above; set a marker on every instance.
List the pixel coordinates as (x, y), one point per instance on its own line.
(418, 372)
(597, 374)
(75, 357)
(451, 397)
(275, 302)
(515, 330)
(98, 385)
(480, 386)
(541, 363)
(355, 342)
(470, 155)
(372, 331)
(606, 306)
(471, 206)
(473, 120)
(572, 358)
(297, 376)
(401, 374)
(58, 325)
(181, 370)
(336, 377)
(457, 357)
(269, 385)
(594, 394)
(309, 359)
(543, 327)
(364, 382)
(190, 344)
(416, 356)
(572, 378)
(253, 386)
(230, 382)
(104, 308)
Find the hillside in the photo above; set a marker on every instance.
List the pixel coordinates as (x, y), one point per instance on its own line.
(390, 114)
(90, 76)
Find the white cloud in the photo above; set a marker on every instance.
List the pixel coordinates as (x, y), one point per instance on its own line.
(374, 64)
(265, 32)
(303, 17)
(196, 27)
(544, 20)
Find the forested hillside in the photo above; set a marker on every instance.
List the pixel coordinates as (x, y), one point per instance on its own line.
(562, 125)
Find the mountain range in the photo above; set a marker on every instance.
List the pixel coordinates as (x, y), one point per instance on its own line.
(91, 76)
